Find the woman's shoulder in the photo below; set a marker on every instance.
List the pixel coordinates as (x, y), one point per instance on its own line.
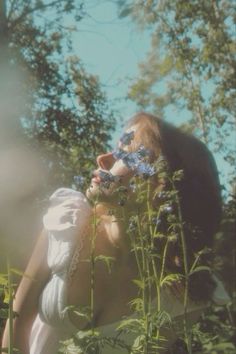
(63, 193)
(68, 208)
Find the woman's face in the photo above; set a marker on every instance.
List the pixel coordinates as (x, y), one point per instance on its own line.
(110, 174)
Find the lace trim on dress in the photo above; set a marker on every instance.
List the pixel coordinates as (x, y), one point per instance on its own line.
(76, 255)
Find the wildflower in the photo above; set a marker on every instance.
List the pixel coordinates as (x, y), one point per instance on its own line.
(79, 181)
(119, 154)
(126, 138)
(135, 161)
(162, 195)
(143, 152)
(145, 169)
(131, 160)
(156, 221)
(107, 178)
(167, 208)
(132, 225)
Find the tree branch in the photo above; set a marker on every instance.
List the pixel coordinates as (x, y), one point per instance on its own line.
(31, 10)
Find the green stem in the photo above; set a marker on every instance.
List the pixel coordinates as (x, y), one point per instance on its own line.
(186, 272)
(164, 260)
(143, 270)
(92, 269)
(148, 245)
(10, 308)
(144, 277)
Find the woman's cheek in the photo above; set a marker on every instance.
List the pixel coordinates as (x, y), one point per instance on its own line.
(121, 170)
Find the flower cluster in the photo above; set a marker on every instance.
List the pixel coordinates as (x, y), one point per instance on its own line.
(107, 178)
(79, 181)
(136, 161)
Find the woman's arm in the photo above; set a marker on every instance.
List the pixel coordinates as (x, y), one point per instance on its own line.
(27, 295)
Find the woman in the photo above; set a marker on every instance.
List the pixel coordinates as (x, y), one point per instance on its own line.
(79, 231)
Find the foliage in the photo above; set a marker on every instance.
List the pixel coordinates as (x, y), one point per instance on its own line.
(190, 67)
(65, 112)
(225, 241)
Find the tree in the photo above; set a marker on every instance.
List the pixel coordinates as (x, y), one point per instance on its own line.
(64, 109)
(191, 65)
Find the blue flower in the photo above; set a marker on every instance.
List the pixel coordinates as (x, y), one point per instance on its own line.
(145, 169)
(107, 178)
(131, 160)
(167, 208)
(135, 161)
(119, 154)
(143, 152)
(79, 181)
(126, 138)
(156, 221)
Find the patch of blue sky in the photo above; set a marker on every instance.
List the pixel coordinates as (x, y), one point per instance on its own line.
(111, 49)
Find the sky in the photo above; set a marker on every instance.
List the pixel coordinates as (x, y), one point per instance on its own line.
(111, 48)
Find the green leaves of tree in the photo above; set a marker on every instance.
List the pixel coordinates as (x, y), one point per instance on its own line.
(65, 110)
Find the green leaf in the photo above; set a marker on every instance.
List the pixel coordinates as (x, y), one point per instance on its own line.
(3, 279)
(4, 313)
(136, 304)
(224, 346)
(6, 296)
(138, 343)
(170, 278)
(107, 260)
(81, 312)
(139, 283)
(130, 322)
(200, 269)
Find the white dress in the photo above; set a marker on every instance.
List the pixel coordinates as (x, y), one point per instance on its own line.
(69, 211)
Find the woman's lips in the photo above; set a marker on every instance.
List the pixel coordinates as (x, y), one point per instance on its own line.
(96, 179)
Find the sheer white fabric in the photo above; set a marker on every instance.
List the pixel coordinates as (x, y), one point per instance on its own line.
(70, 211)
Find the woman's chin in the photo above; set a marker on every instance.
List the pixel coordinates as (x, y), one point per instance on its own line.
(98, 194)
(91, 192)
(94, 192)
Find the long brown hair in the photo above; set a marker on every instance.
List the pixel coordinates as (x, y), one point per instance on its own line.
(199, 189)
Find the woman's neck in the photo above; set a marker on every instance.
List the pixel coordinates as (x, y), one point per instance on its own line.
(113, 220)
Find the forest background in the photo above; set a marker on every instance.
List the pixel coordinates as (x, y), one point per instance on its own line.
(56, 116)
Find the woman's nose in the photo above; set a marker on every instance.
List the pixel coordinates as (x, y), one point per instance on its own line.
(106, 161)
